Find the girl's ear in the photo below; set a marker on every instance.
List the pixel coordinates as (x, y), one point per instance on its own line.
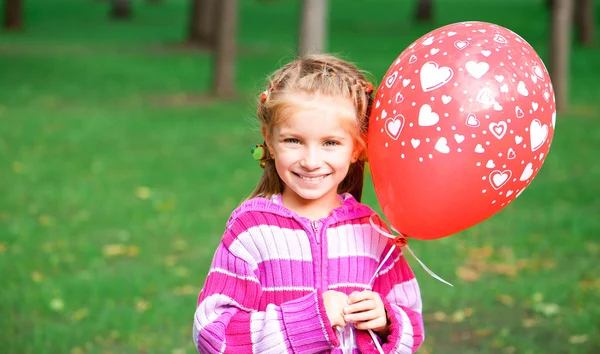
(267, 138)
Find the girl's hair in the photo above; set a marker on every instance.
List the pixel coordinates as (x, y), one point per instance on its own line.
(319, 74)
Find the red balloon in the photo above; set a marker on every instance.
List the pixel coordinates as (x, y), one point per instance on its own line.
(461, 124)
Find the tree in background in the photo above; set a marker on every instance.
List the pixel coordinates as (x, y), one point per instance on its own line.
(225, 48)
(202, 25)
(560, 49)
(13, 15)
(313, 26)
(424, 11)
(121, 9)
(585, 21)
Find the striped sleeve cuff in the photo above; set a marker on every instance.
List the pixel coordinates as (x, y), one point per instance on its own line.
(307, 325)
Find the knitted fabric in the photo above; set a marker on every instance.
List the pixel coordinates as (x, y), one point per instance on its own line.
(263, 292)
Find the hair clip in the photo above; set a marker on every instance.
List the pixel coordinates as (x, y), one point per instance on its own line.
(263, 96)
(369, 88)
(259, 153)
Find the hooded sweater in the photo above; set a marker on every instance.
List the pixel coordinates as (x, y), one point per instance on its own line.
(263, 292)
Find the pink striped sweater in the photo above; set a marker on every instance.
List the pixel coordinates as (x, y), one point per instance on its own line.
(263, 292)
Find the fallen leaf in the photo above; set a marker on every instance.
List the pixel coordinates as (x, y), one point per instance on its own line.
(2, 247)
(467, 274)
(46, 220)
(57, 304)
(36, 277)
(80, 314)
(143, 192)
(506, 300)
(578, 339)
(17, 167)
(113, 250)
(142, 305)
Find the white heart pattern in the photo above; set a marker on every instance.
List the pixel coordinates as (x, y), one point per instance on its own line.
(500, 39)
(499, 78)
(427, 117)
(393, 126)
(442, 145)
(519, 112)
(538, 134)
(405, 82)
(477, 70)
(511, 154)
(479, 149)
(391, 79)
(413, 58)
(498, 129)
(415, 142)
(499, 178)
(459, 138)
(527, 172)
(428, 41)
(472, 121)
(518, 139)
(485, 96)
(486, 53)
(446, 99)
(537, 71)
(490, 164)
(534, 105)
(460, 45)
(399, 98)
(433, 77)
(522, 89)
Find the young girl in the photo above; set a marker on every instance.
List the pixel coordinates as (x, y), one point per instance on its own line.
(295, 259)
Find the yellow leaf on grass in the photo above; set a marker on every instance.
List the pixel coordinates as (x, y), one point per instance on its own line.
(80, 314)
(46, 220)
(133, 251)
(77, 350)
(468, 274)
(17, 167)
(143, 192)
(57, 304)
(112, 250)
(506, 300)
(578, 339)
(2, 247)
(142, 305)
(185, 290)
(36, 277)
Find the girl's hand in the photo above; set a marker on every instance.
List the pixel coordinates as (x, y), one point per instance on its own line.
(334, 304)
(365, 309)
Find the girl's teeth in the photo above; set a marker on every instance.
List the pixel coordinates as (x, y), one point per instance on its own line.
(312, 179)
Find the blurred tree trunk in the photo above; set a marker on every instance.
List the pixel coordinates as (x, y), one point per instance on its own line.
(585, 21)
(121, 9)
(424, 11)
(202, 25)
(313, 26)
(225, 49)
(560, 50)
(13, 15)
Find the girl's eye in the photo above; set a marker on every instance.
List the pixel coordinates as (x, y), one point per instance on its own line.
(291, 141)
(331, 143)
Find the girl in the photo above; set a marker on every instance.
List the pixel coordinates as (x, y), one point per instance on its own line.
(297, 256)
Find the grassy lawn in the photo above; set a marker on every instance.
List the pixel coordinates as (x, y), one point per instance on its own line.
(116, 185)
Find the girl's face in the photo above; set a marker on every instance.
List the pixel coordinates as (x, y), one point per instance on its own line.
(313, 149)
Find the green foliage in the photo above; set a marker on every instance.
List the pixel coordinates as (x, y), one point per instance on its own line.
(118, 174)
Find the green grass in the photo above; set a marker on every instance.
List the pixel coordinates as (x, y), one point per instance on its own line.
(113, 199)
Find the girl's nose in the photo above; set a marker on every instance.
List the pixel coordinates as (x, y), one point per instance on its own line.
(311, 159)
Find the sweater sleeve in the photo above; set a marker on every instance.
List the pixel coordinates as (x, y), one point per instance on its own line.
(227, 319)
(399, 290)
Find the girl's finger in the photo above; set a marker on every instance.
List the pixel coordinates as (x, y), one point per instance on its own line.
(362, 316)
(360, 296)
(376, 323)
(362, 306)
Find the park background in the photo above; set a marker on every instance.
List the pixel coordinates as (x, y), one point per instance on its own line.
(121, 160)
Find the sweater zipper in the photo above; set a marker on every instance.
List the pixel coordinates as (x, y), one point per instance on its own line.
(315, 225)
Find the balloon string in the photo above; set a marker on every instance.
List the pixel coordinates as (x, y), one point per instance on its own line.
(386, 234)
